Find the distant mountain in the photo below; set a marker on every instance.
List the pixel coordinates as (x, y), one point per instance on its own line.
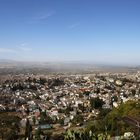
(7, 61)
(13, 65)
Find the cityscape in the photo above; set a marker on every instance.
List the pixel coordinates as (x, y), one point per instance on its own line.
(69, 70)
(56, 105)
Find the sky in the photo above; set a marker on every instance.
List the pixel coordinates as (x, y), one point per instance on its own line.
(98, 31)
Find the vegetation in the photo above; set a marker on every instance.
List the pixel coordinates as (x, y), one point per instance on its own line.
(96, 103)
(28, 130)
(78, 119)
(44, 118)
(84, 135)
(114, 120)
(108, 123)
(9, 126)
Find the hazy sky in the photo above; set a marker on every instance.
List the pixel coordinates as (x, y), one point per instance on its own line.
(105, 31)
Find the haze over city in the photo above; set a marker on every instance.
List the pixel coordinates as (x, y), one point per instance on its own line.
(103, 31)
(69, 70)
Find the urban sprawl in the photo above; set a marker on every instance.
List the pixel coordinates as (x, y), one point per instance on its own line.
(66, 106)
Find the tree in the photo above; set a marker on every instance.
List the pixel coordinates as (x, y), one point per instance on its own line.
(114, 118)
(103, 113)
(43, 80)
(44, 118)
(28, 131)
(34, 120)
(78, 119)
(9, 126)
(37, 134)
(133, 92)
(96, 103)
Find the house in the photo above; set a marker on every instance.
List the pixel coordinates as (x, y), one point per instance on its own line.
(44, 126)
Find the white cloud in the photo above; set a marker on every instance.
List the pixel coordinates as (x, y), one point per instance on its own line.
(23, 44)
(44, 16)
(25, 49)
(7, 50)
(72, 26)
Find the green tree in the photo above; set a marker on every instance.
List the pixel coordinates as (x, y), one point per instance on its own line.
(114, 118)
(34, 120)
(37, 134)
(28, 131)
(9, 125)
(78, 119)
(96, 103)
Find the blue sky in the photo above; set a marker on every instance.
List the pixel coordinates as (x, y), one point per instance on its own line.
(101, 31)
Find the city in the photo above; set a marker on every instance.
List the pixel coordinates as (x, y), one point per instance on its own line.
(54, 104)
(69, 69)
